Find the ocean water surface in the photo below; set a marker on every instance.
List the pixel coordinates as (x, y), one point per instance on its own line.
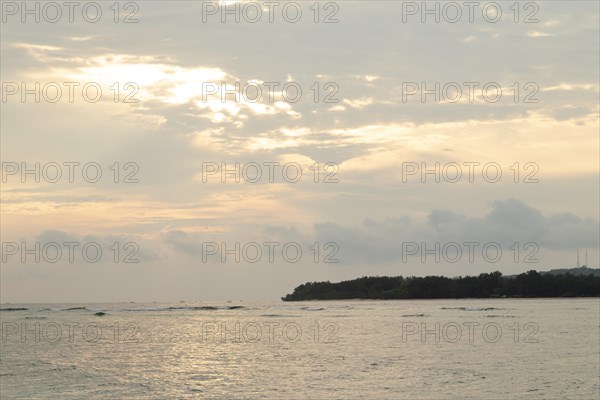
(426, 349)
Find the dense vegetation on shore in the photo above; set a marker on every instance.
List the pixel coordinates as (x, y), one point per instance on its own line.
(529, 284)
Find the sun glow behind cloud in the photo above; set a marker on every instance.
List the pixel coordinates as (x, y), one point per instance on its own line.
(176, 125)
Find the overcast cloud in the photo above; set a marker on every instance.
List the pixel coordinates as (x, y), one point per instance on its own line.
(522, 169)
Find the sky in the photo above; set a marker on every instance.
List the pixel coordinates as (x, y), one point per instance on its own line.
(189, 150)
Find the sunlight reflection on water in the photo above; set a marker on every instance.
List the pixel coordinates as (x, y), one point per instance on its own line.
(431, 349)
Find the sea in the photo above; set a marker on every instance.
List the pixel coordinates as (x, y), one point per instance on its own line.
(353, 349)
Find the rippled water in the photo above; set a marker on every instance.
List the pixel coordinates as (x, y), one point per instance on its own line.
(471, 349)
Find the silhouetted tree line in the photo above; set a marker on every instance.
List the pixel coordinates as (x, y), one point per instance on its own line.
(529, 284)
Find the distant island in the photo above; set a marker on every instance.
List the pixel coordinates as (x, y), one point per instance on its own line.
(581, 282)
